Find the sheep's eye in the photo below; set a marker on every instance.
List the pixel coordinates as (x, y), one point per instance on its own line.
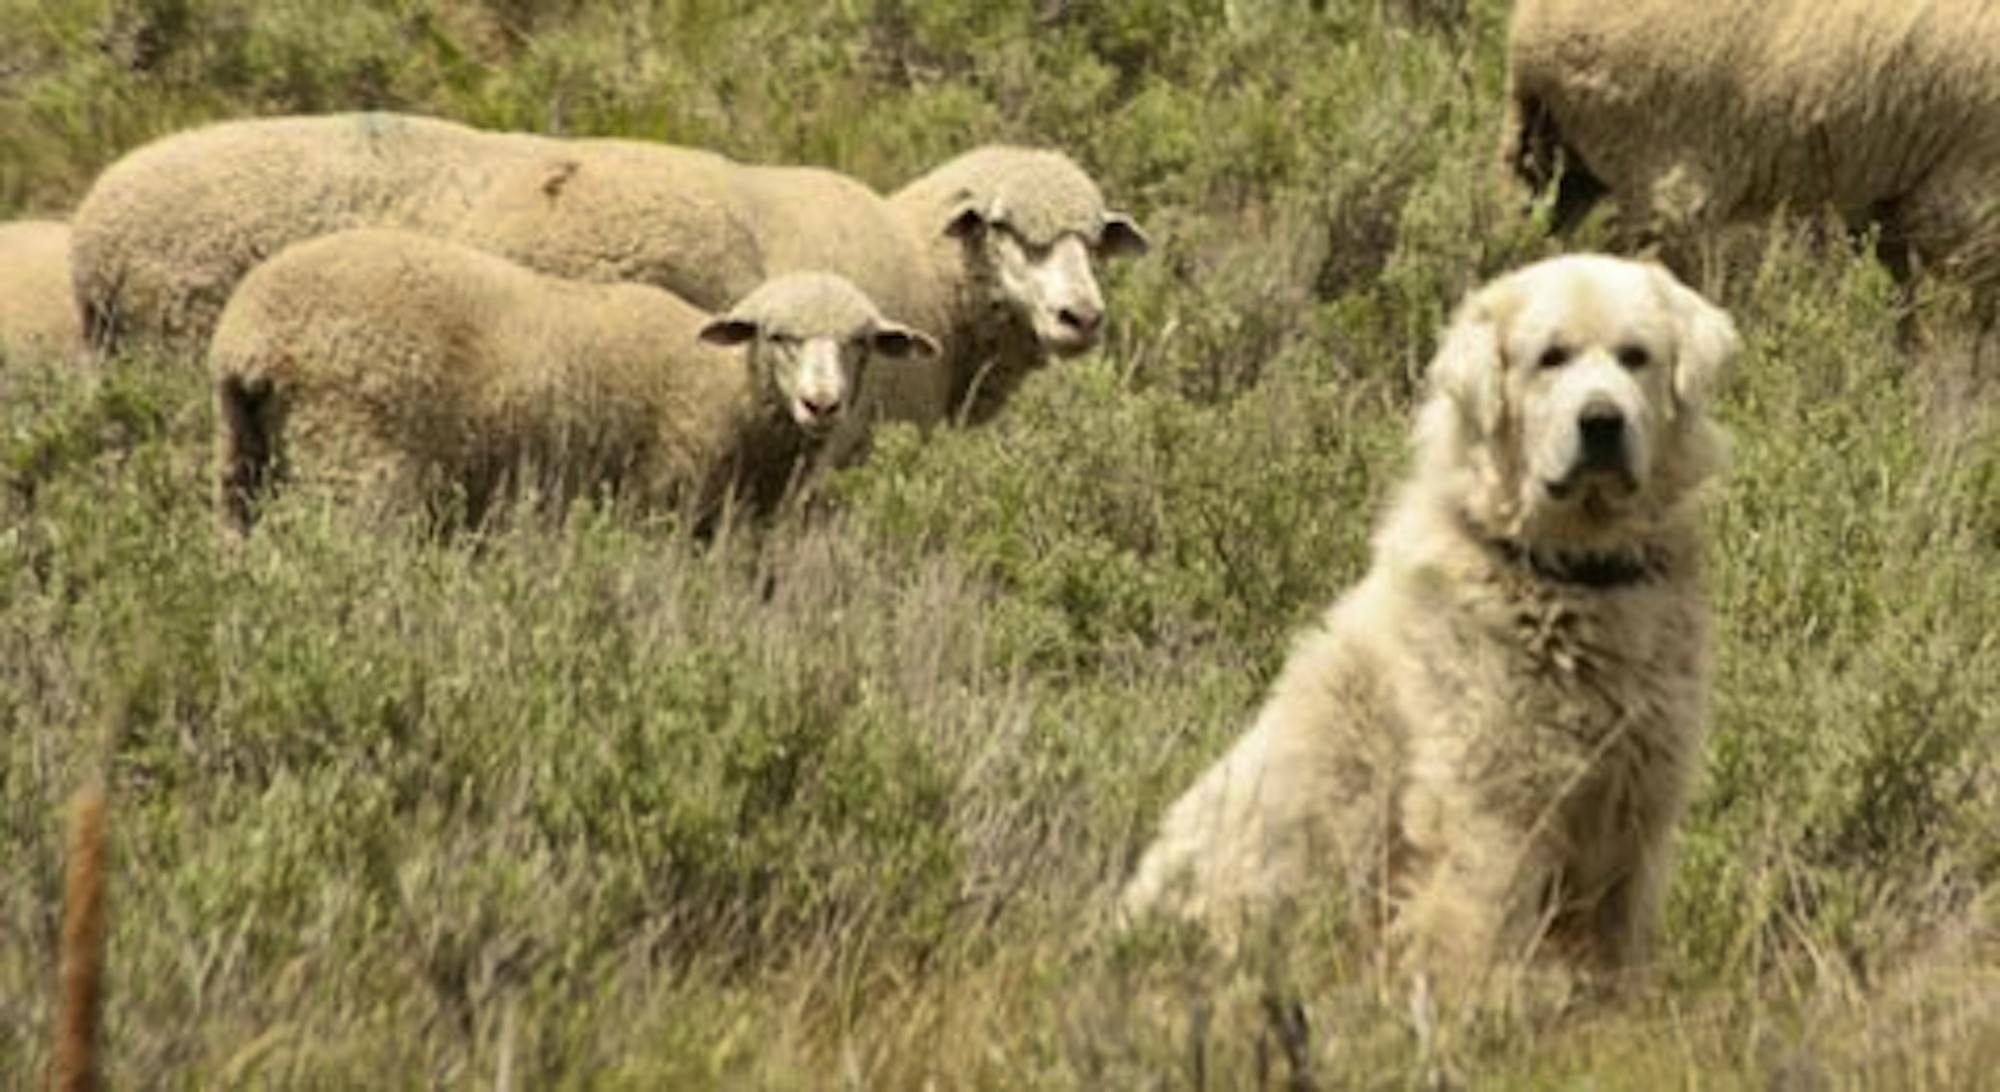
(1555, 356)
(1031, 251)
(1634, 357)
(782, 340)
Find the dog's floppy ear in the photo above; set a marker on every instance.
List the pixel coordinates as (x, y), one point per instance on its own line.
(1706, 336)
(1468, 367)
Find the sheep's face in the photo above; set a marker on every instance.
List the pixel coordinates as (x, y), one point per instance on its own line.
(810, 339)
(1052, 286)
(815, 378)
(818, 378)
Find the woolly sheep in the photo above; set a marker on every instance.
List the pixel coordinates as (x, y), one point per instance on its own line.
(165, 232)
(991, 250)
(1009, 235)
(1692, 114)
(37, 312)
(407, 368)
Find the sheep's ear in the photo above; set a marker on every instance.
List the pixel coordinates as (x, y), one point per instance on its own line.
(893, 339)
(728, 330)
(1122, 237)
(1469, 367)
(969, 218)
(1707, 340)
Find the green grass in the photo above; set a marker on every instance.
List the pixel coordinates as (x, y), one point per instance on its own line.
(845, 806)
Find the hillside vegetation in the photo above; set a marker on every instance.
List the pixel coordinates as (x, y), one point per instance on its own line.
(595, 805)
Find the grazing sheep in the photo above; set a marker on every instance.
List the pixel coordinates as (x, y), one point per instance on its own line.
(701, 226)
(1695, 114)
(165, 232)
(419, 370)
(37, 311)
(1484, 746)
(1009, 235)
(992, 250)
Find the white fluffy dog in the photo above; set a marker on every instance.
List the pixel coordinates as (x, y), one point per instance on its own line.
(1486, 743)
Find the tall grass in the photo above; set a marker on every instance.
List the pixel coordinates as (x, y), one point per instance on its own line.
(845, 804)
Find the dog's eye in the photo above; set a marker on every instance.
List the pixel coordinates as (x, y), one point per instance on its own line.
(1633, 357)
(1555, 356)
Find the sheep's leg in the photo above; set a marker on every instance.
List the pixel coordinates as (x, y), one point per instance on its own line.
(248, 417)
(1577, 192)
(1541, 159)
(1953, 224)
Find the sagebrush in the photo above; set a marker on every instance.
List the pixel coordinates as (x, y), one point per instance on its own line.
(844, 801)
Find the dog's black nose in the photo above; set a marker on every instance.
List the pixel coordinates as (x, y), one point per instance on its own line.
(1603, 428)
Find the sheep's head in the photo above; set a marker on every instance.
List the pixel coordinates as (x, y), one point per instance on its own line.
(1035, 225)
(810, 338)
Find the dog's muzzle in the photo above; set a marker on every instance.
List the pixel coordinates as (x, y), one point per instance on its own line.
(1601, 428)
(1603, 450)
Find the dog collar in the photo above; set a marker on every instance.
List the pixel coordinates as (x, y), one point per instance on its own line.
(1598, 572)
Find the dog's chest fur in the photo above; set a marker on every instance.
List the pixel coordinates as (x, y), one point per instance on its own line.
(1575, 697)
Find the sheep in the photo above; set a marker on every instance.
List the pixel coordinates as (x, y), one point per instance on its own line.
(1692, 115)
(991, 250)
(38, 315)
(164, 233)
(415, 370)
(1009, 234)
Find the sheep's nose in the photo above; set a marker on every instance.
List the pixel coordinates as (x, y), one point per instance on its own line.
(819, 409)
(1602, 426)
(1083, 318)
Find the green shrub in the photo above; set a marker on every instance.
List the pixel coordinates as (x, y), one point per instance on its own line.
(848, 802)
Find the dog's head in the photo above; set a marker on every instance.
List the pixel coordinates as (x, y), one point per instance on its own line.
(1568, 398)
